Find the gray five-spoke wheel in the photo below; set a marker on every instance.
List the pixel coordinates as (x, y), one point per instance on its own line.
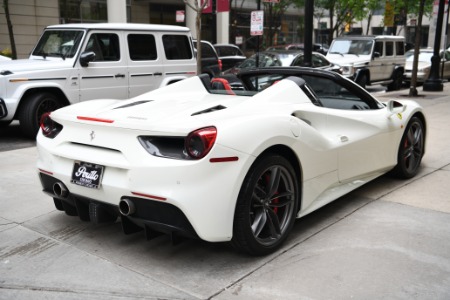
(413, 146)
(272, 204)
(266, 206)
(411, 150)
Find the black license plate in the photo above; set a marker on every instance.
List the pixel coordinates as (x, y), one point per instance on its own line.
(87, 174)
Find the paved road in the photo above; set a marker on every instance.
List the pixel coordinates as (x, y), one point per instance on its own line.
(389, 239)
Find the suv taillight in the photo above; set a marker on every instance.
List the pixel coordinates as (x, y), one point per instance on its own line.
(219, 61)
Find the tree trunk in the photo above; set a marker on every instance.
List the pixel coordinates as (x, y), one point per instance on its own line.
(413, 87)
(10, 29)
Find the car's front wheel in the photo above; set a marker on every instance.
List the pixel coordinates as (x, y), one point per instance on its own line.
(266, 206)
(411, 150)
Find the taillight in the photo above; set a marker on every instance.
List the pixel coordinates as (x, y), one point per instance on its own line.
(199, 142)
(220, 64)
(50, 128)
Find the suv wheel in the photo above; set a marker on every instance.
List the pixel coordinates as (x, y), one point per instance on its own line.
(362, 80)
(33, 107)
(397, 81)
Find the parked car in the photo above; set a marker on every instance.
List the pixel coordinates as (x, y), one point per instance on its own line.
(211, 64)
(77, 62)
(283, 58)
(424, 64)
(230, 55)
(226, 165)
(370, 59)
(316, 47)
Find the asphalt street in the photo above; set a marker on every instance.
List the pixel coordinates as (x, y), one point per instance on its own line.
(389, 239)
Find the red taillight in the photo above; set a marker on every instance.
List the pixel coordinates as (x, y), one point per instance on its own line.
(199, 142)
(220, 64)
(49, 127)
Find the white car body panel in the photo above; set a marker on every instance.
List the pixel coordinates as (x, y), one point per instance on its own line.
(336, 152)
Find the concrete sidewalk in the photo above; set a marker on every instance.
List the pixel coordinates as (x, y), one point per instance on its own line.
(388, 239)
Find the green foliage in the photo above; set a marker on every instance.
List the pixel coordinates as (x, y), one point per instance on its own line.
(6, 52)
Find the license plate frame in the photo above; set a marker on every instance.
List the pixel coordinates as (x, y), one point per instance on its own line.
(87, 174)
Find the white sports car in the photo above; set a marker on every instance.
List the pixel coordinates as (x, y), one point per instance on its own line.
(231, 159)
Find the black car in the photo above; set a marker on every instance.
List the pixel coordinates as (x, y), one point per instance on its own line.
(230, 55)
(284, 58)
(211, 64)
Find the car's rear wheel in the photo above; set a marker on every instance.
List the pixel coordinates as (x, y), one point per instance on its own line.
(362, 80)
(5, 123)
(33, 107)
(266, 206)
(397, 81)
(411, 150)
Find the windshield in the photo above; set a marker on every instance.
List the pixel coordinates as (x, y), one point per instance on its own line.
(357, 47)
(58, 43)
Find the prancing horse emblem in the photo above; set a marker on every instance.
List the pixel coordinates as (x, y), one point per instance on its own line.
(92, 135)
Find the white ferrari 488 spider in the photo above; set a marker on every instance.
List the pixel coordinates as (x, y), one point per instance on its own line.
(229, 159)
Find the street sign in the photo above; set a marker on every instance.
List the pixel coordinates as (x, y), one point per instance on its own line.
(257, 22)
(180, 16)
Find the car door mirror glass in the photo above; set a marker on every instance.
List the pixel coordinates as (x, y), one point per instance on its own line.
(395, 107)
(86, 58)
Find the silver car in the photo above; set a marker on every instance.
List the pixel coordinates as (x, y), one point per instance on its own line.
(424, 65)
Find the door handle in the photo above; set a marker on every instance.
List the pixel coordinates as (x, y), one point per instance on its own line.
(119, 75)
(344, 138)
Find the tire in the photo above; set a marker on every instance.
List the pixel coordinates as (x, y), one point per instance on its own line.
(362, 81)
(411, 150)
(4, 124)
(397, 81)
(32, 108)
(266, 207)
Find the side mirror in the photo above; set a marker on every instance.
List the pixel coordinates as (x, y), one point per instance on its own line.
(395, 107)
(376, 54)
(86, 58)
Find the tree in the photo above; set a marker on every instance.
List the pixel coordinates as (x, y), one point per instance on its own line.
(198, 8)
(10, 29)
(413, 89)
(273, 13)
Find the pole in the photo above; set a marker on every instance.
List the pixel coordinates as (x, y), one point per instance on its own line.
(257, 39)
(309, 15)
(434, 83)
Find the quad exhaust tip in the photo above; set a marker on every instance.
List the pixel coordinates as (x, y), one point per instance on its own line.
(60, 190)
(126, 207)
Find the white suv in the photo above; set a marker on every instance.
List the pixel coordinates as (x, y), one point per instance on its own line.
(370, 59)
(77, 62)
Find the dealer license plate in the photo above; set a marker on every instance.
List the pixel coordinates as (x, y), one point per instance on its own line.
(87, 174)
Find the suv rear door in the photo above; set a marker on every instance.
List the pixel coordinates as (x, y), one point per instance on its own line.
(146, 62)
(105, 77)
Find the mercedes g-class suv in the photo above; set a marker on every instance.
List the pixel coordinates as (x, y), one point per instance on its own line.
(370, 59)
(78, 62)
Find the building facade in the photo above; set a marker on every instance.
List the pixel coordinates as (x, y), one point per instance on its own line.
(30, 17)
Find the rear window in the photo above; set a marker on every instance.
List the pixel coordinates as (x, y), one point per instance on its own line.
(400, 48)
(177, 47)
(142, 47)
(389, 48)
(208, 51)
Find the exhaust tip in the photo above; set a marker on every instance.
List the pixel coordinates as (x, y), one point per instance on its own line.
(126, 207)
(60, 190)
